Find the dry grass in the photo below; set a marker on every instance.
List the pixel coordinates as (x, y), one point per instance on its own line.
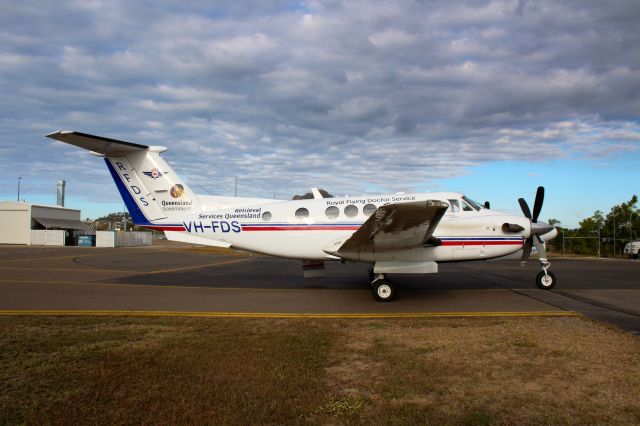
(238, 371)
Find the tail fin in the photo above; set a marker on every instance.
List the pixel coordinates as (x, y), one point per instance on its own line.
(153, 193)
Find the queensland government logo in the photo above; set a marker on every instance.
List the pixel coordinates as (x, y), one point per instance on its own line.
(177, 190)
(154, 173)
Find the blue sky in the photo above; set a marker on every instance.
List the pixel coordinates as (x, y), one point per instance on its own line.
(488, 98)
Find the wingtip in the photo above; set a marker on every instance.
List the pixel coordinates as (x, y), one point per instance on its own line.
(53, 135)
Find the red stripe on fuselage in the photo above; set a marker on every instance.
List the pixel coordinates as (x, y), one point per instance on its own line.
(481, 243)
(164, 228)
(300, 228)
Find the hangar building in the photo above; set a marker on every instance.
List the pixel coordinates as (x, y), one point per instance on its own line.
(24, 223)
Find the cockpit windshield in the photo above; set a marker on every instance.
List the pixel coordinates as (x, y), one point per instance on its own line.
(472, 203)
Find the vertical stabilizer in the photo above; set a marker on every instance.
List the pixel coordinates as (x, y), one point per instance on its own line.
(150, 188)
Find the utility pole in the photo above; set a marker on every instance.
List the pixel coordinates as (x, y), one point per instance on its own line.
(19, 179)
(597, 232)
(614, 236)
(236, 191)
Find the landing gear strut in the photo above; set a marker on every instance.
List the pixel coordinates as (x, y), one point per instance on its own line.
(383, 289)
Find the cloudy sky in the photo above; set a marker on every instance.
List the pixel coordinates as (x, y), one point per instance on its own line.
(488, 98)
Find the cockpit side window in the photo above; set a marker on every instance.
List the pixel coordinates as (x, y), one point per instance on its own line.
(466, 207)
(454, 206)
(473, 204)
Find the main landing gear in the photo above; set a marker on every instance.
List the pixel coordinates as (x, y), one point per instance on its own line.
(383, 290)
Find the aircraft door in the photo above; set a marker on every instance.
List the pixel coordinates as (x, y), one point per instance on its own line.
(466, 247)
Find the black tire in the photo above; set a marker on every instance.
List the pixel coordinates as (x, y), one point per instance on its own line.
(383, 291)
(546, 281)
(635, 256)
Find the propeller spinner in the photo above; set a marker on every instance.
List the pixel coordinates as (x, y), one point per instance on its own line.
(537, 228)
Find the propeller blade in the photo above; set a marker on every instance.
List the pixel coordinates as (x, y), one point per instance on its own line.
(525, 208)
(542, 252)
(526, 251)
(537, 205)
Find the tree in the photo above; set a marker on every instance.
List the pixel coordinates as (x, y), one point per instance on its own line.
(554, 222)
(624, 220)
(593, 223)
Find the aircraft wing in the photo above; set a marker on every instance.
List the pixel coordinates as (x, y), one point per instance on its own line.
(397, 226)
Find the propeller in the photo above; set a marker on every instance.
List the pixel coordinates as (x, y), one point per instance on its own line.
(537, 228)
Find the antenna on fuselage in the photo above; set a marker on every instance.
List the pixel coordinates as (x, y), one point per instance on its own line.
(316, 193)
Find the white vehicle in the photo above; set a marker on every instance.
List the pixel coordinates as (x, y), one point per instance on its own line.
(632, 249)
(395, 233)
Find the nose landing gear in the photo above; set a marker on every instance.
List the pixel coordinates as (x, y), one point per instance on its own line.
(545, 280)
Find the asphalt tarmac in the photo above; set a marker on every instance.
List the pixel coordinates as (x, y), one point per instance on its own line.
(186, 279)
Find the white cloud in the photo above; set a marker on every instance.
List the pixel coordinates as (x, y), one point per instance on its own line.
(286, 92)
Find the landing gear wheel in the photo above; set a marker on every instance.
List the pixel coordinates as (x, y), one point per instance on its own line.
(545, 281)
(383, 290)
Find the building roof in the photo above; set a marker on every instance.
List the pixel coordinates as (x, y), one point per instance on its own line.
(60, 223)
(48, 206)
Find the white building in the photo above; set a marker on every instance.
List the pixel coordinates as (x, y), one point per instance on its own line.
(24, 223)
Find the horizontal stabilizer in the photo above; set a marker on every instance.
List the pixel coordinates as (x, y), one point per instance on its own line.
(98, 144)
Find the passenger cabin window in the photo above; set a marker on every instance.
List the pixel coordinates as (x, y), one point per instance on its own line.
(332, 212)
(454, 206)
(351, 211)
(369, 209)
(266, 216)
(301, 213)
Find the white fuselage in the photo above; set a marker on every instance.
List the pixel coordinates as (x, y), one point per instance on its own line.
(308, 229)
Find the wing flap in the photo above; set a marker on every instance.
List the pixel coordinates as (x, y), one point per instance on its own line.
(397, 226)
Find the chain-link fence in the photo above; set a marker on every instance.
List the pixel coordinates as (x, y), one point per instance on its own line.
(587, 246)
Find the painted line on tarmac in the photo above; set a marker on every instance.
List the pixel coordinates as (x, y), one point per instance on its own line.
(90, 269)
(102, 313)
(48, 258)
(187, 268)
(176, 286)
(121, 250)
(86, 269)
